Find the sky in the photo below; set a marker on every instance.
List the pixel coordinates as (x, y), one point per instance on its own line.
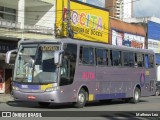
(146, 8)
(141, 8)
(96, 2)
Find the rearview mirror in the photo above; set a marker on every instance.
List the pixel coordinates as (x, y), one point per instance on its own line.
(8, 55)
(57, 57)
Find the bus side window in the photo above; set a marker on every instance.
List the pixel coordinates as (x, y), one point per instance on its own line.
(101, 57)
(128, 59)
(86, 56)
(140, 59)
(146, 61)
(151, 61)
(105, 56)
(116, 58)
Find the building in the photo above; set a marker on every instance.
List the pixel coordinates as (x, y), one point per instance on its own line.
(126, 34)
(87, 22)
(120, 8)
(22, 19)
(152, 28)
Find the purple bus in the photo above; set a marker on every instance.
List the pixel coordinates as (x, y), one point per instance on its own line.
(75, 71)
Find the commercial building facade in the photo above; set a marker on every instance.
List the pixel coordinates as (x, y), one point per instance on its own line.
(87, 22)
(154, 36)
(125, 34)
(152, 28)
(22, 19)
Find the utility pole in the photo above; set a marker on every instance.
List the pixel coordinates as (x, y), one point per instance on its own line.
(68, 19)
(68, 29)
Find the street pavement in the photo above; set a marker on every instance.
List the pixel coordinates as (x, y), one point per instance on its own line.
(5, 98)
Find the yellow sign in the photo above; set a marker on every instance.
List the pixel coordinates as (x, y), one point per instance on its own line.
(87, 22)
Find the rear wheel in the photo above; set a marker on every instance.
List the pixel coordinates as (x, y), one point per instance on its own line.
(81, 99)
(136, 96)
(44, 104)
(157, 93)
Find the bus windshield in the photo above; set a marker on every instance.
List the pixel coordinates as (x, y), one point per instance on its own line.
(35, 63)
(157, 58)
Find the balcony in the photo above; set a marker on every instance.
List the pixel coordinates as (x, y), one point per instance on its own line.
(27, 28)
(12, 29)
(9, 24)
(39, 29)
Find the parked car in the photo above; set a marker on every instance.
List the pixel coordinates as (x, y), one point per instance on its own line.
(157, 88)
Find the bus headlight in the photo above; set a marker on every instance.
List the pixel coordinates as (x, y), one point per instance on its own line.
(51, 89)
(15, 88)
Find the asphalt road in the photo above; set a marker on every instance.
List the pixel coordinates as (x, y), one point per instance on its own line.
(117, 109)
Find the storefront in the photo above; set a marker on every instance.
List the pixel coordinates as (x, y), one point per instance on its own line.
(5, 69)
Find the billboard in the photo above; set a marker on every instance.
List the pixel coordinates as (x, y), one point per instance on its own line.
(154, 45)
(127, 39)
(87, 22)
(154, 36)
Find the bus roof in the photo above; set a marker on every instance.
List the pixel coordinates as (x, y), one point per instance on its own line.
(84, 42)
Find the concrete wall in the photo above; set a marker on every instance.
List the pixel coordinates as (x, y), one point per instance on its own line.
(41, 16)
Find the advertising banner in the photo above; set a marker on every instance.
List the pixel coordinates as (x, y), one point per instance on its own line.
(127, 39)
(154, 36)
(87, 22)
(154, 45)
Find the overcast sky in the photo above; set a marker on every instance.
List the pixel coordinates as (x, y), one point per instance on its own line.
(146, 8)
(141, 8)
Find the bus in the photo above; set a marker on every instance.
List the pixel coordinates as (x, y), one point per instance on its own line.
(157, 56)
(65, 70)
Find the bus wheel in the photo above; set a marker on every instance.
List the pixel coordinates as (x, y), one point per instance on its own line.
(81, 99)
(157, 93)
(136, 96)
(44, 104)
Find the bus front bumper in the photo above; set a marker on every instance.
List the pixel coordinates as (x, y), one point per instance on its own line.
(37, 97)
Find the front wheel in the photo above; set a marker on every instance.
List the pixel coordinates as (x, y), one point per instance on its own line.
(136, 96)
(81, 99)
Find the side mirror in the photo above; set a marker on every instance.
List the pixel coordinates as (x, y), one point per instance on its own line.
(8, 55)
(57, 56)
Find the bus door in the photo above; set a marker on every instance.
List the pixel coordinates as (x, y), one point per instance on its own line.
(2, 82)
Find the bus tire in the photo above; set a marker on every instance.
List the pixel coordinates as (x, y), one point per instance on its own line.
(136, 96)
(44, 104)
(157, 93)
(81, 99)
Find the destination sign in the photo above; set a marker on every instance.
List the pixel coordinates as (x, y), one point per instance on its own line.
(49, 48)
